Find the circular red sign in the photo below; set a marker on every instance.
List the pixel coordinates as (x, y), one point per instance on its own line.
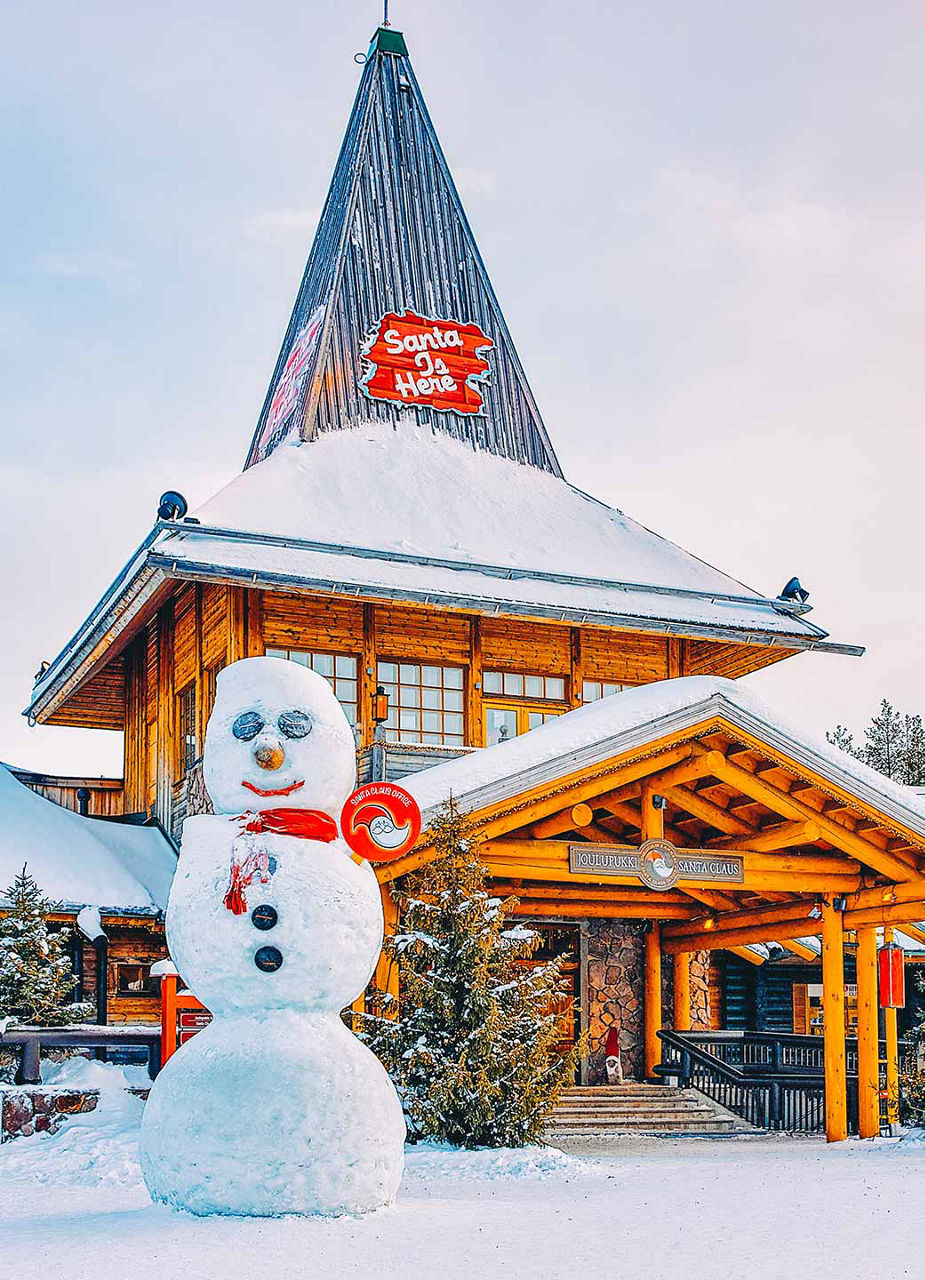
(380, 821)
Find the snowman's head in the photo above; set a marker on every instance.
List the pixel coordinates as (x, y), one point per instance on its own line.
(277, 739)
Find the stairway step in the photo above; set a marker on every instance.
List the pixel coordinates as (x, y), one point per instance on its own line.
(710, 1124)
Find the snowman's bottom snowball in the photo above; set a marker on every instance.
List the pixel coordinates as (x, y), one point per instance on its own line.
(272, 1114)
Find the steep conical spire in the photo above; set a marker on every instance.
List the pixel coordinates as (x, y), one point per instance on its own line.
(396, 318)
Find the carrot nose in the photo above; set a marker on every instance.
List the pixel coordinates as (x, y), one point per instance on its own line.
(270, 755)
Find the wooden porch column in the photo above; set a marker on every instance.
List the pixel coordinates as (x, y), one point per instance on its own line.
(682, 991)
(653, 828)
(891, 1036)
(868, 1035)
(386, 975)
(833, 1009)
(652, 1011)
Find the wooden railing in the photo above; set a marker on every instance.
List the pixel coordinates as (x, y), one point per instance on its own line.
(30, 1041)
(772, 1081)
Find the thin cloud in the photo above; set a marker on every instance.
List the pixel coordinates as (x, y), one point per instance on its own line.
(84, 264)
(273, 225)
(474, 182)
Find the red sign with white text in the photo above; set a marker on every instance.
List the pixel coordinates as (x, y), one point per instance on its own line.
(380, 822)
(433, 363)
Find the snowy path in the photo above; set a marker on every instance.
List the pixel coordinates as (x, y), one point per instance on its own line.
(74, 1204)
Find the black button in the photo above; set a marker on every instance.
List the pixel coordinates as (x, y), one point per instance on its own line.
(264, 917)
(268, 959)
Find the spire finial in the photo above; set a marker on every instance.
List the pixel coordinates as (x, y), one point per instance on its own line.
(385, 13)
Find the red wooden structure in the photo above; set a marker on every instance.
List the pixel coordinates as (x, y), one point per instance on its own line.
(182, 1016)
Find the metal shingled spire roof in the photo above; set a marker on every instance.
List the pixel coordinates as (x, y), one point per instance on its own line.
(393, 237)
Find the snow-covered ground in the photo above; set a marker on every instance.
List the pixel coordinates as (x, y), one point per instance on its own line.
(74, 1204)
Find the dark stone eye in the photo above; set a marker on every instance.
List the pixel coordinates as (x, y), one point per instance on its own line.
(294, 724)
(247, 726)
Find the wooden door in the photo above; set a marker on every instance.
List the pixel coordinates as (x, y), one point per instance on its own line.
(557, 940)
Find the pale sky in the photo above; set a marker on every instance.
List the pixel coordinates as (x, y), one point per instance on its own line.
(704, 222)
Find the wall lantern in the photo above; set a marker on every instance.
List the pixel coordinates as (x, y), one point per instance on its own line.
(891, 976)
(380, 702)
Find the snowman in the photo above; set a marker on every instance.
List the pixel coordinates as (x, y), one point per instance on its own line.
(275, 1107)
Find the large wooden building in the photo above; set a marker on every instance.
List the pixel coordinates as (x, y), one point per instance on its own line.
(402, 522)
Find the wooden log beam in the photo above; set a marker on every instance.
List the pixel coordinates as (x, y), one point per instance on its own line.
(783, 913)
(557, 871)
(652, 998)
(700, 807)
(782, 836)
(833, 832)
(744, 954)
(598, 910)
(801, 950)
(887, 895)
(712, 898)
(914, 932)
(701, 939)
(553, 811)
(588, 894)
(901, 913)
(833, 1007)
(700, 766)
(868, 1035)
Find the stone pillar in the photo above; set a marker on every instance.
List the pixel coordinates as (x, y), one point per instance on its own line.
(615, 982)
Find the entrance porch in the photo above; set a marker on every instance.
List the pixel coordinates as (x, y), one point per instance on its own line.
(675, 821)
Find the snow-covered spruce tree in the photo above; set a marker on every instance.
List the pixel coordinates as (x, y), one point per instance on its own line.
(894, 745)
(473, 1048)
(36, 977)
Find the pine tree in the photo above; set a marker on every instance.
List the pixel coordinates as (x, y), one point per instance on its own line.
(473, 1048)
(843, 738)
(883, 748)
(36, 977)
(912, 752)
(894, 745)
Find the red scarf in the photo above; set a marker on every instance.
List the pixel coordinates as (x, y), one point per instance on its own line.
(308, 824)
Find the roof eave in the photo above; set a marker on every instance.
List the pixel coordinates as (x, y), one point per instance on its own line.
(755, 636)
(683, 721)
(150, 566)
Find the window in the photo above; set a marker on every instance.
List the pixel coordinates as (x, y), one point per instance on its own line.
(187, 738)
(425, 703)
(135, 980)
(516, 703)
(510, 684)
(593, 690)
(209, 678)
(339, 669)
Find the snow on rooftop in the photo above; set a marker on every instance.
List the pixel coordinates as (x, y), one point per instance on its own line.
(413, 491)
(633, 718)
(81, 861)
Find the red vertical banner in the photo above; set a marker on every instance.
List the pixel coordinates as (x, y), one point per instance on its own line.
(891, 974)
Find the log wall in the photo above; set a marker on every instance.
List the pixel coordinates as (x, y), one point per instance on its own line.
(202, 628)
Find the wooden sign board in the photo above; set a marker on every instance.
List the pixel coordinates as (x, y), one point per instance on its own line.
(657, 864)
(191, 1021)
(415, 360)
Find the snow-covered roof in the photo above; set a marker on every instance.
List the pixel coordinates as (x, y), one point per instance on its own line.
(412, 514)
(80, 862)
(604, 729)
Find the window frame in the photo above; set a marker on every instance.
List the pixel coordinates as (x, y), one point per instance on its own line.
(280, 651)
(522, 708)
(186, 727)
(121, 964)
(394, 732)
